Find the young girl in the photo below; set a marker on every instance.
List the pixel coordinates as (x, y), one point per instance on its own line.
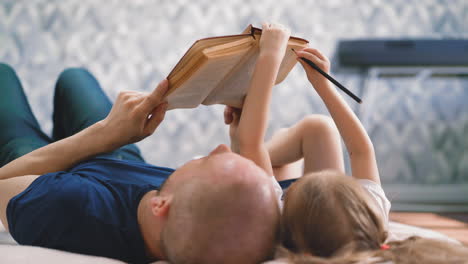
(314, 196)
(325, 212)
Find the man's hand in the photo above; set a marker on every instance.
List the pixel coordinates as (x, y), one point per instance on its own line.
(135, 115)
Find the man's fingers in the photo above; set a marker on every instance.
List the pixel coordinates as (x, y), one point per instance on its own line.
(157, 116)
(157, 95)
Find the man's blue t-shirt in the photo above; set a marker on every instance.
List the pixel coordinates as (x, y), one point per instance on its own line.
(90, 209)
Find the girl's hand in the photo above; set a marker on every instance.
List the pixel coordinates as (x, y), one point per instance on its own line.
(231, 118)
(274, 40)
(319, 59)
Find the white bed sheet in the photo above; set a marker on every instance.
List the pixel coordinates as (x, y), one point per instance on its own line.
(12, 254)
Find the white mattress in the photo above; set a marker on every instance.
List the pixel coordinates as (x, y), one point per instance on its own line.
(28, 254)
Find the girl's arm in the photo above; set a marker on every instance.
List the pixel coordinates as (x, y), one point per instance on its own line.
(248, 137)
(358, 143)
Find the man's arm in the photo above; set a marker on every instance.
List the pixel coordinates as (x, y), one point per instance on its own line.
(249, 137)
(133, 117)
(59, 155)
(355, 137)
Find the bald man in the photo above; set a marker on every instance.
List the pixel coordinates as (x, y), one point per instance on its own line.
(88, 190)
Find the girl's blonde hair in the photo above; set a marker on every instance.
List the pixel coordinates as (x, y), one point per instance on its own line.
(327, 212)
(328, 219)
(409, 251)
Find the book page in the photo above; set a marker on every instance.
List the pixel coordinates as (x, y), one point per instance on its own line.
(194, 54)
(220, 73)
(195, 89)
(233, 89)
(288, 63)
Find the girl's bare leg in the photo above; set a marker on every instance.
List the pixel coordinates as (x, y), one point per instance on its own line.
(315, 139)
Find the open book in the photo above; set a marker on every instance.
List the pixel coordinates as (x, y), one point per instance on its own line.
(218, 70)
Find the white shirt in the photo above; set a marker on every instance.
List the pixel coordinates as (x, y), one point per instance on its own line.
(378, 197)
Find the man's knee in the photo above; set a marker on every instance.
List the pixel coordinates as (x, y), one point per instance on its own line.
(71, 75)
(74, 71)
(6, 69)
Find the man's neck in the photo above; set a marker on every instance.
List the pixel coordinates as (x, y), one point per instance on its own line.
(149, 230)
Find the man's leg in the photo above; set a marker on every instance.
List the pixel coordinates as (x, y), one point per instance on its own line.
(80, 102)
(19, 134)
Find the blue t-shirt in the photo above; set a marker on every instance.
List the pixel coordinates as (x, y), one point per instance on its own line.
(90, 209)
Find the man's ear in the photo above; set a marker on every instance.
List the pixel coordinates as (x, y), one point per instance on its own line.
(160, 205)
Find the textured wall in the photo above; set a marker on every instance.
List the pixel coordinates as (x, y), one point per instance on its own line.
(419, 127)
(133, 44)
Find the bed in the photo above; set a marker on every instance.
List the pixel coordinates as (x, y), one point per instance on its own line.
(10, 252)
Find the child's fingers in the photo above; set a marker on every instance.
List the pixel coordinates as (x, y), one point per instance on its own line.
(304, 65)
(237, 110)
(228, 111)
(312, 57)
(278, 26)
(316, 52)
(235, 118)
(231, 114)
(236, 114)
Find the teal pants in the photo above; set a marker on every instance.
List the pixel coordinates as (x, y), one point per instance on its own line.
(79, 102)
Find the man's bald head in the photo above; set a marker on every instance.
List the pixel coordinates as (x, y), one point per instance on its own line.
(225, 211)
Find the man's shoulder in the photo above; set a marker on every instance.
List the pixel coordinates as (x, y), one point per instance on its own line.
(120, 164)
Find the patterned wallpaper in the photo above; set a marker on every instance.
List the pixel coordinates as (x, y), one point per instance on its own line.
(419, 136)
(419, 127)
